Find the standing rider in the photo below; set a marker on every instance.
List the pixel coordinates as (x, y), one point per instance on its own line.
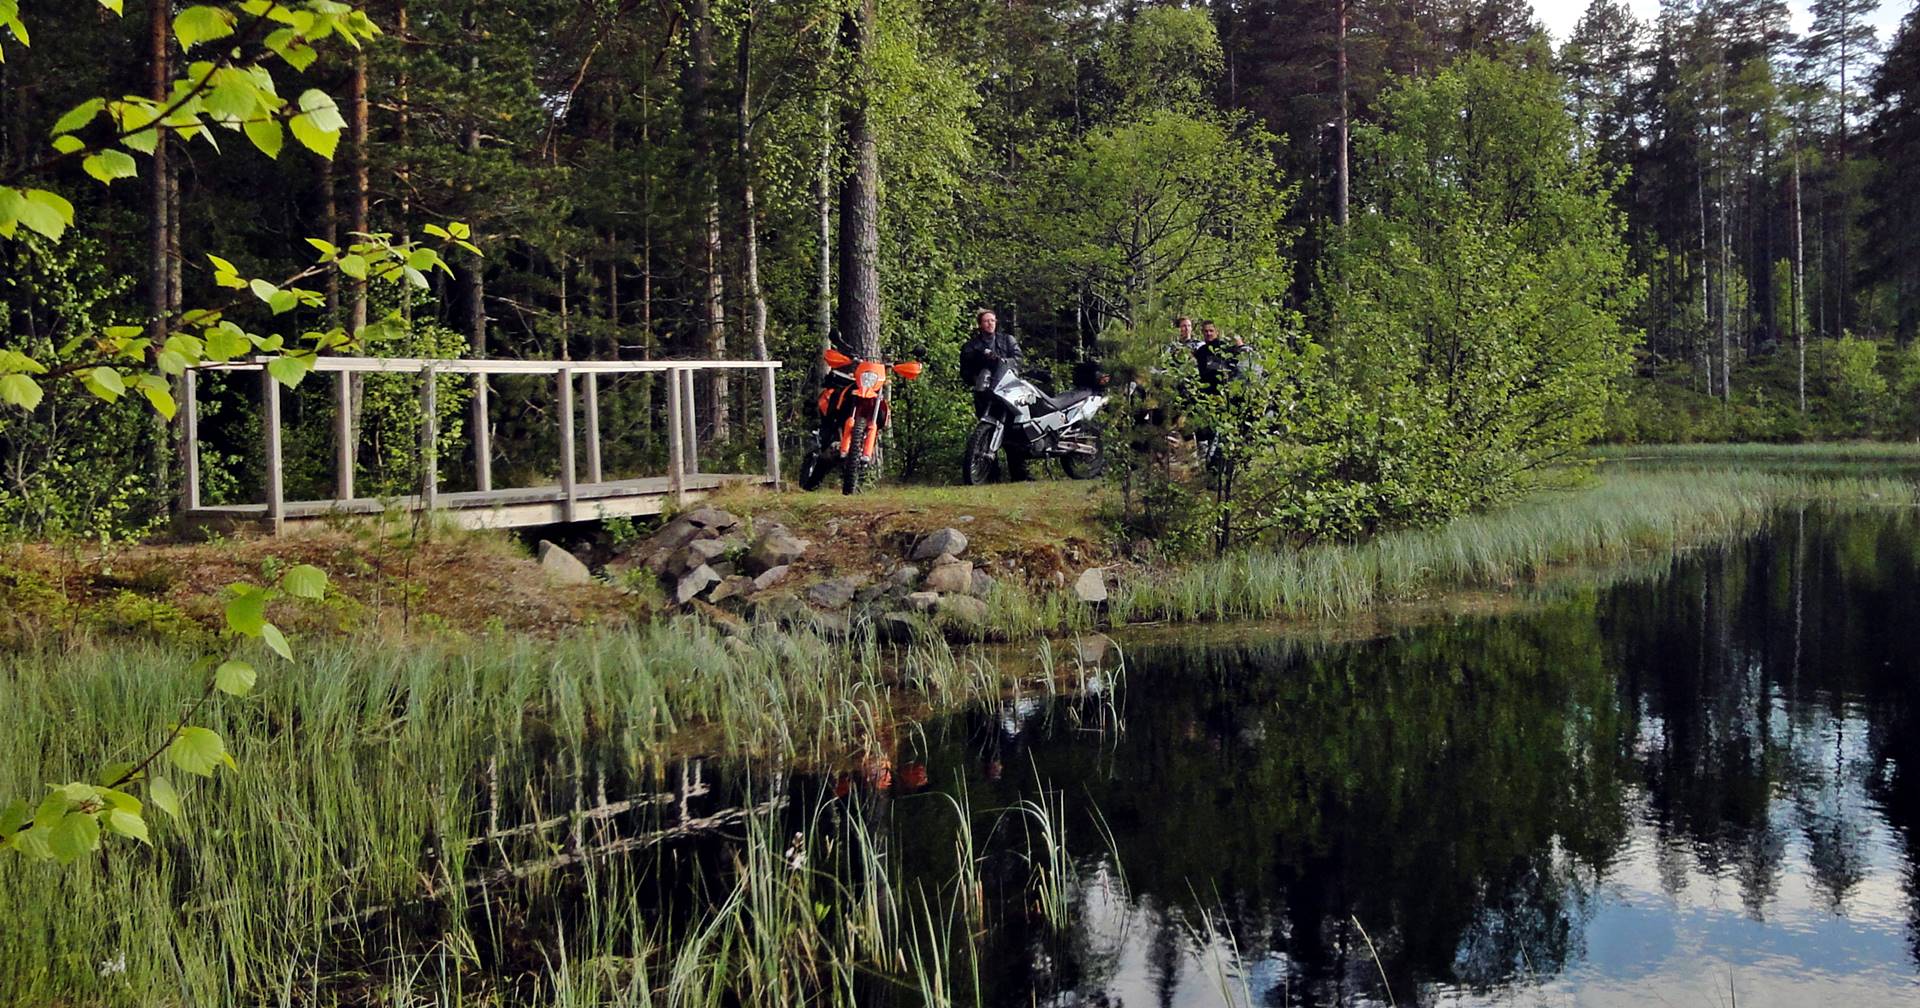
(986, 347)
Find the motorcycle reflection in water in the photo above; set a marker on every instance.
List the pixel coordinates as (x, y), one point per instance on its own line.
(1029, 424)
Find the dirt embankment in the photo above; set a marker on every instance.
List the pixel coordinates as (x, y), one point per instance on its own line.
(394, 579)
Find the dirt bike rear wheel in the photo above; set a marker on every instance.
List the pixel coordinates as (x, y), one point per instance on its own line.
(813, 470)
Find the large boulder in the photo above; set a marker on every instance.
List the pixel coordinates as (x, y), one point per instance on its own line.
(770, 577)
(963, 611)
(698, 553)
(950, 576)
(774, 547)
(563, 567)
(923, 601)
(982, 583)
(731, 586)
(834, 593)
(895, 627)
(950, 541)
(710, 518)
(904, 576)
(1091, 585)
(695, 583)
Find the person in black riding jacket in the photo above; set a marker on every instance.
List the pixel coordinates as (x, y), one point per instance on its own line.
(1220, 360)
(983, 349)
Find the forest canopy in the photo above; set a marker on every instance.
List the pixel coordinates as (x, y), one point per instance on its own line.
(1430, 219)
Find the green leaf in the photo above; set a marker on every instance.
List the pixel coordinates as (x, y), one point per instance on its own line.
(247, 610)
(108, 165)
(20, 390)
(127, 824)
(319, 123)
(235, 678)
(120, 799)
(33, 842)
(73, 836)
(277, 641)
(201, 23)
(112, 5)
(106, 383)
(197, 751)
(45, 212)
(225, 344)
(15, 815)
(158, 393)
(80, 115)
(267, 135)
(262, 289)
(304, 581)
(283, 301)
(354, 265)
(161, 793)
(327, 249)
(289, 370)
(67, 143)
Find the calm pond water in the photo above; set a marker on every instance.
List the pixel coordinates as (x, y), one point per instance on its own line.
(1697, 788)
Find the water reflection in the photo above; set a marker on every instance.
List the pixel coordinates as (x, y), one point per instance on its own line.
(1694, 790)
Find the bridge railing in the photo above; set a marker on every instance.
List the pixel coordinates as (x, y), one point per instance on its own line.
(577, 390)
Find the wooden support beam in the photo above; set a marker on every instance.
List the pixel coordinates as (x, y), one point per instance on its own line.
(482, 436)
(770, 425)
(190, 438)
(676, 433)
(567, 486)
(344, 448)
(429, 439)
(591, 382)
(690, 438)
(270, 423)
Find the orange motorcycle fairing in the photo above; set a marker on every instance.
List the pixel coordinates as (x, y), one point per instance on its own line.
(835, 359)
(846, 435)
(907, 369)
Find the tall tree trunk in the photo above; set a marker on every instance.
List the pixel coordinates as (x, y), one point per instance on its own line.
(860, 200)
(330, 230)
(823, 233)
(1341, 182)
(1799, 283)
(403, 171)
(161, 449)
(360, 223)
(749, 226)
(713, 321)
(1706, 306)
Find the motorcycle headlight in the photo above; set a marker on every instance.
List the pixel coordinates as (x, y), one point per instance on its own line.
(867, 379)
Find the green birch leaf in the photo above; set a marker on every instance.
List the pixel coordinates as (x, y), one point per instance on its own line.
(235, 678)
(247, 611)
(304, 581)
(76, 834)
(109, 165)
(197, 751)
(277, 641)
(127, 824)
(289, 370)
(268, 135)
(161, 793)
(201, 23)
(20, 390)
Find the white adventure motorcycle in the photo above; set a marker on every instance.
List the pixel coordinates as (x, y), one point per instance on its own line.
(1030, 424)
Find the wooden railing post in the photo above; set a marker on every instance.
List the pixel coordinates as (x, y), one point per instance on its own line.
(594, 474)
(190, 438)
(429, 438)
(567, 488)
(676, 433)
(482, 435)
(276, 487)
(344, 449)
(690, 438)
(770, 421)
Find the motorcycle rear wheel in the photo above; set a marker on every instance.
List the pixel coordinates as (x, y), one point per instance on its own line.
(814, 469)
(1086, 467)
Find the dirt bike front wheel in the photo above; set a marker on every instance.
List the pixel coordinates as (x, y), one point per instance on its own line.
(857, 471)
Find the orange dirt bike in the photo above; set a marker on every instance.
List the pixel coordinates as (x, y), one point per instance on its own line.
(854, 408)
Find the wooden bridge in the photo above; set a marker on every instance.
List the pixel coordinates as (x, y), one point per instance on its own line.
(576, 497)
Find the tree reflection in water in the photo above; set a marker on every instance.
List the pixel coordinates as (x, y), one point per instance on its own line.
(1613, 792)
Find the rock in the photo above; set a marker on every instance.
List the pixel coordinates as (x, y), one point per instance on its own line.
(1091, 585)
(773, 548)
(831, 624)
(1092, 650)
(698, 553)
(923, 601)
(563, 567)
(731, 587)
(950, 577)
(836, 593)
(950, 541)
(904, 576)
(964, 611)
(895, 627)
(710, 518)
(670, 537)
(770, 577)
(694, 583)
(982, 582)
(780, 607)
